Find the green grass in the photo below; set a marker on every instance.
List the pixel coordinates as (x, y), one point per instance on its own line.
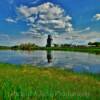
(95, 50)
(25, 82)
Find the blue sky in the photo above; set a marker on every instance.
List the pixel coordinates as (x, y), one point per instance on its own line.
(69, 21)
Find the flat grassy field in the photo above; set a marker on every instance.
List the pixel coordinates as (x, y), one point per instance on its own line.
(25, 82)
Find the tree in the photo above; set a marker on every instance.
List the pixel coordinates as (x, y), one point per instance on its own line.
(56, 45)
(97, 44)
(49, 41)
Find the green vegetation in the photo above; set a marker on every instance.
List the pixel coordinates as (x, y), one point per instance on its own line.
(24, 82)
(63, 47)
(4, 47)
(27, 46)
(96, 44)
(91, 48)
(94, 50)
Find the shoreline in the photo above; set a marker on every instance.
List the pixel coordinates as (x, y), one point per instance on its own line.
(95, 50)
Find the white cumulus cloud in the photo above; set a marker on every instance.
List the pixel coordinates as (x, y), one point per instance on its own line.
(97, 17)
(47, 18)
(10, 20)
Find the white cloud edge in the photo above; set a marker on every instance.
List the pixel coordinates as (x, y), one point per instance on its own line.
(51, 12)
(10, 20)
(97, 17)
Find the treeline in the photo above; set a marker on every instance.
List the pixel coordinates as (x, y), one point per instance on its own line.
(90, 44)
(25, 46)
(30, 46)
(62, 45)
(4, 47)
(96, 44)
(70, 46)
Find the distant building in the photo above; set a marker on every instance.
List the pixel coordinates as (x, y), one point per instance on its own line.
(49, 41)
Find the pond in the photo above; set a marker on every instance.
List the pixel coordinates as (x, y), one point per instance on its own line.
(76, 61)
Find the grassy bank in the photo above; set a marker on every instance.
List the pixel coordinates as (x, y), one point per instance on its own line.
(95, 50)
(31, 83)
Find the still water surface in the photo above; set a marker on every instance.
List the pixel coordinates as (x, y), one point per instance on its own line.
(76, 61)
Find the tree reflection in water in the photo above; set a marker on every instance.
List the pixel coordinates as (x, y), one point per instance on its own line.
(49, 56)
